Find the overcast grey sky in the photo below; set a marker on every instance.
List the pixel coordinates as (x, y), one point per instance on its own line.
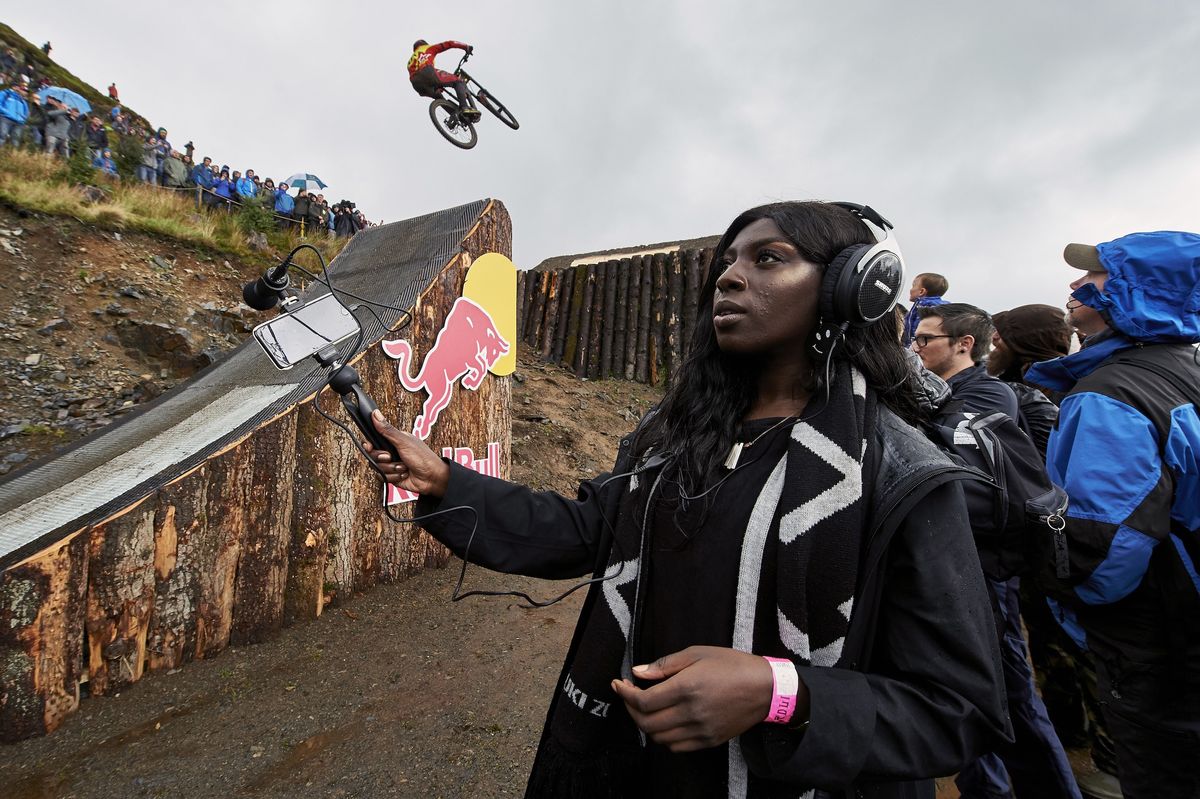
(990, 133)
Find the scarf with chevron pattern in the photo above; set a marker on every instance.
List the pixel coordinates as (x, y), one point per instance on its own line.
(811, 511)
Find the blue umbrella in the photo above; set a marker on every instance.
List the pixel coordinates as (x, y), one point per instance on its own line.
(303, 180)
(66, 97)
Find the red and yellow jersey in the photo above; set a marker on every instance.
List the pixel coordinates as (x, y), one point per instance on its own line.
(424, 55)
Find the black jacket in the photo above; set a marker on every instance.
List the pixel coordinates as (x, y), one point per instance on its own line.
(924, 696)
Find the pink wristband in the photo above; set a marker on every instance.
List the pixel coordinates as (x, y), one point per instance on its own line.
(783, 694)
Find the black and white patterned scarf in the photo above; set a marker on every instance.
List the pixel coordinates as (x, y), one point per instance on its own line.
(811, 511)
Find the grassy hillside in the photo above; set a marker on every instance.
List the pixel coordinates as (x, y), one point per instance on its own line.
(43, 183)
(60, 77)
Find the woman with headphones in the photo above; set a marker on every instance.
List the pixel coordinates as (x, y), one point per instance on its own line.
(785, 593)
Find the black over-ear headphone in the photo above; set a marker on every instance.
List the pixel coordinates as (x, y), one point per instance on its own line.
(862, 283)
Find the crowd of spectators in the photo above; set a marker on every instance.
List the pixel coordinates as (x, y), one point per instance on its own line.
(58, 129)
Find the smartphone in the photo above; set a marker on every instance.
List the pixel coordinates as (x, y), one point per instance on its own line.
(291, 337)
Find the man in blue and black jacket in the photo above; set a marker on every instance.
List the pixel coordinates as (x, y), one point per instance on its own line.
(1127, 450)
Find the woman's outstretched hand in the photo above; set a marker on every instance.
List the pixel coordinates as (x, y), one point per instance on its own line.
(418, 470)
(707, 695)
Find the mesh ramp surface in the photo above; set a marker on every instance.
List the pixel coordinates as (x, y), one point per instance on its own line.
(120, 464)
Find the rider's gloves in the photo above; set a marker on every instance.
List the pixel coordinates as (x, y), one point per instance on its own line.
(470, 49)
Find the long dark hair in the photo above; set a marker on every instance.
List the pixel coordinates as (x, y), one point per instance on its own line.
(701, 414)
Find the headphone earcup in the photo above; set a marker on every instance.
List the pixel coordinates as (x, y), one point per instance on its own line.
(836, 306)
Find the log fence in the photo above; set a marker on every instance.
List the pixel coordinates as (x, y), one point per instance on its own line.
(627, 318)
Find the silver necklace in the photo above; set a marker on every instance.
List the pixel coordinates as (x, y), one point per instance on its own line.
(735, 452)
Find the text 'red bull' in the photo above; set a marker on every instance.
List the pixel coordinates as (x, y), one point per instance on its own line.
(463, 456)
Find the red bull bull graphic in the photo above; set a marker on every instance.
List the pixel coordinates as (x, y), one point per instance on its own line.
(474, 340)
(466, 348)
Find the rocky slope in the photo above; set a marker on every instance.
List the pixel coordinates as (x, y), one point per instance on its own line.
(94, 322)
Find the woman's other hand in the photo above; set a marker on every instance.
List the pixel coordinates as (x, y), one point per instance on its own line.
(706, 696)
(419, 470)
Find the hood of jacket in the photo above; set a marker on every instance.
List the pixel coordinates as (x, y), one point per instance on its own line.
(1152, 293)
(1061, 374)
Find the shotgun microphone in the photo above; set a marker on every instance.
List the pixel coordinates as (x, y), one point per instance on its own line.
(264, 294)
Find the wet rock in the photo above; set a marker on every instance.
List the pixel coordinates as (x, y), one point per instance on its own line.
(55, 324)
(258, 242)
(117, 309)
(132, 292)
(91, 196)
(177, 347)
(16, 457)
(33, 359)
(162, 263)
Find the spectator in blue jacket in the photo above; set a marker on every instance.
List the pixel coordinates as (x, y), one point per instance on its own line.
(927, 289)
(1127, 450)
(284, 205)
(105, 163)
(245, 186)
(223, 188)
(14, 110)
(202, 176)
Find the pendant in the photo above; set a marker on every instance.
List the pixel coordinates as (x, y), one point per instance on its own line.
(735, 452)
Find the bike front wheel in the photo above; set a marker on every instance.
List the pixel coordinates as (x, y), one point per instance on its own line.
(450, 123)
(488, 101)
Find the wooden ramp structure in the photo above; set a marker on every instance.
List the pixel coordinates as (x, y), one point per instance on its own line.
(229, 508)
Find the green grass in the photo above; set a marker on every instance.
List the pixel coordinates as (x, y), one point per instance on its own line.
(39, 182)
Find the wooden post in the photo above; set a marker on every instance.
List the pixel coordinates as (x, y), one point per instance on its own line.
(646, 281)
(620, 319)
(706, 256)
(182, 553)
(658, 318)
(691, 298)
(566, 293)
(597, 329)
(522, 307)
(632, 314)
(536, 323)
(585, 322)
(550, 326)
(571, 346)
(43, 604)
(674, 313)
(120, 598)
(262, 569)
(609, 318)
(531, 282)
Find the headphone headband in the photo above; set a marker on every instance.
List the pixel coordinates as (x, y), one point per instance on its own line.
(867, 213)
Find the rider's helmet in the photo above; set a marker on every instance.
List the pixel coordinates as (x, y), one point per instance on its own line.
(419, 43)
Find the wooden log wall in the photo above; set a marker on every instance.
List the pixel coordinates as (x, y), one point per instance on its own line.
(628, 319)
(261, 535)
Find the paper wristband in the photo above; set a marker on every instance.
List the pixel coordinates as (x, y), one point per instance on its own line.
(783, 694)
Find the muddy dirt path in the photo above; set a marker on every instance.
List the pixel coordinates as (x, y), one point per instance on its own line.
(395, 693)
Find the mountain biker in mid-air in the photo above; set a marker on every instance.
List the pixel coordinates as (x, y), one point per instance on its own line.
(429, 81)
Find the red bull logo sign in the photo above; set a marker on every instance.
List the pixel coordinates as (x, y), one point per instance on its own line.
(478, 337)
(467, 347)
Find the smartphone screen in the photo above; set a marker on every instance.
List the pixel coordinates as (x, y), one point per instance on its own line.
(291, 337)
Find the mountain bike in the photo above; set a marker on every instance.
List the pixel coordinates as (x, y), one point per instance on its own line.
(449, 118)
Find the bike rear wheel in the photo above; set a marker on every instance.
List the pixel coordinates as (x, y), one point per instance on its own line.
(449, 122)
(488, 101)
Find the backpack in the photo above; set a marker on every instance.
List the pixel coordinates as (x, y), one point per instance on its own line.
(1038, 414)
(1016, 513)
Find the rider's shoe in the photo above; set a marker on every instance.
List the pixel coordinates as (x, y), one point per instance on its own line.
(472, 114)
